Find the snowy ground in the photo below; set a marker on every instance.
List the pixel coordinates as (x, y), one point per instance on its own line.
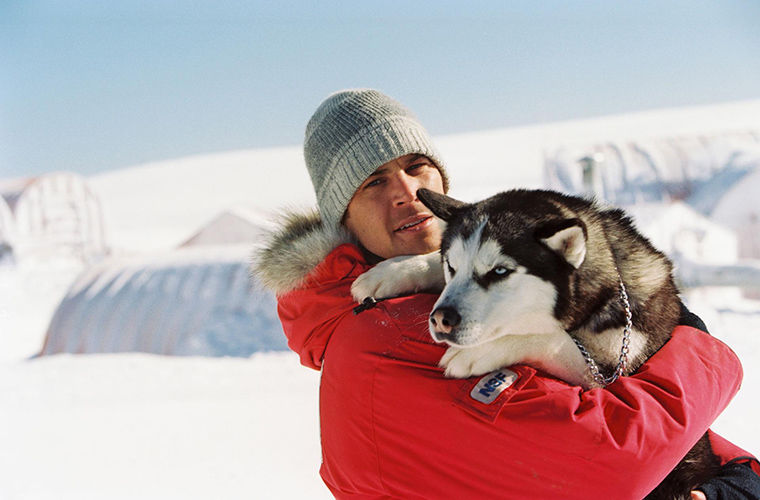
(144, 426)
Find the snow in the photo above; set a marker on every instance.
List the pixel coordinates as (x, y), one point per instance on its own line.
(137, 425)
(125, 426)
(29, 293)
(160, 205)
(682, 232)
(739, 210)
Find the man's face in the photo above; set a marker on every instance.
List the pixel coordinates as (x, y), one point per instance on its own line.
(385, 214)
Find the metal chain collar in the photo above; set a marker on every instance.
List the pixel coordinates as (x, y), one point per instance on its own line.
(623, 359)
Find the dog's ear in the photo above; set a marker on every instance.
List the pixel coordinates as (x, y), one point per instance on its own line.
(566, 237)
(444, 207)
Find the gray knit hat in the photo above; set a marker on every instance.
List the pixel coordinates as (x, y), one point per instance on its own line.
(350, 135)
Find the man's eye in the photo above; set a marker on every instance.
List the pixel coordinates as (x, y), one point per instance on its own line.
(375, 182)
(416, 168)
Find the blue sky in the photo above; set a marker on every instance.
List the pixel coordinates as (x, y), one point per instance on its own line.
(89, 86)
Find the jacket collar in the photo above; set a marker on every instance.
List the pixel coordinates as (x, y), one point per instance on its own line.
(294, 249)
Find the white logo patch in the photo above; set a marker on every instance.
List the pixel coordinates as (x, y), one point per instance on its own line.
(490, 386)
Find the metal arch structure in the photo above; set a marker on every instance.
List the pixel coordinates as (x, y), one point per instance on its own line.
(56, 213)
(196, 301)
(7, 231)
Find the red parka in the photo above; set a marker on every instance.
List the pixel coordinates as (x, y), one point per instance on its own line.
(393, 427)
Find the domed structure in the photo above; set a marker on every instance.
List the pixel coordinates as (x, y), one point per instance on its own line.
(55, 214)
(193, 301)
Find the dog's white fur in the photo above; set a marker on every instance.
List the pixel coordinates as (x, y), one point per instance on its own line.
(569, 242)
(520, 304)
(510, 323)
(412, 273)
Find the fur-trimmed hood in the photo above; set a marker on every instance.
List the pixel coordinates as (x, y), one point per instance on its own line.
(292, 250)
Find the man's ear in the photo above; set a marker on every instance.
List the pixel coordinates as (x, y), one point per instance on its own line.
(444, 207)
(566, 238)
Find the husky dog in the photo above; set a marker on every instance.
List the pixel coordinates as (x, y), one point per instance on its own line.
(550, 280)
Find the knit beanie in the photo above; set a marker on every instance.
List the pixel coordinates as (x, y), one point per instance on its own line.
(350, 135)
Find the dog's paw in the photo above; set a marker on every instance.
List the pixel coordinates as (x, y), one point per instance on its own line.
(372, 283)
(398, 276)
(467, 362)
(453, 363)
(460, 363)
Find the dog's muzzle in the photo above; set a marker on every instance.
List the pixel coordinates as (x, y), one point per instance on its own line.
(443, 321)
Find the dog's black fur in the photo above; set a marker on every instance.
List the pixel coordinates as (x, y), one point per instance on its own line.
(588, 300)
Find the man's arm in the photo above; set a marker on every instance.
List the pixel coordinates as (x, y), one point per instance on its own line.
(735, 481)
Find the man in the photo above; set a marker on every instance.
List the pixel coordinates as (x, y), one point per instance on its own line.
(391, 425)
(385, 215)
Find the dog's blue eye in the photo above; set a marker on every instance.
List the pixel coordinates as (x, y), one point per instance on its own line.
(496, 274)
(451, 269)
(501, 271)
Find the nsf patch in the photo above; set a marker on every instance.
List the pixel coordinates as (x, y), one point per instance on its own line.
(490, 386)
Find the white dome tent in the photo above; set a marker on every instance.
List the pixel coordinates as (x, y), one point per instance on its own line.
(54, 214)
(658, 169)
(192, 301)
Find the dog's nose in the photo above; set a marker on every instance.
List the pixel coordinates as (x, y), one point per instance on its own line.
(444, 319)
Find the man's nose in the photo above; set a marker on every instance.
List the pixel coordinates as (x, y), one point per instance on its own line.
(404, 188)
